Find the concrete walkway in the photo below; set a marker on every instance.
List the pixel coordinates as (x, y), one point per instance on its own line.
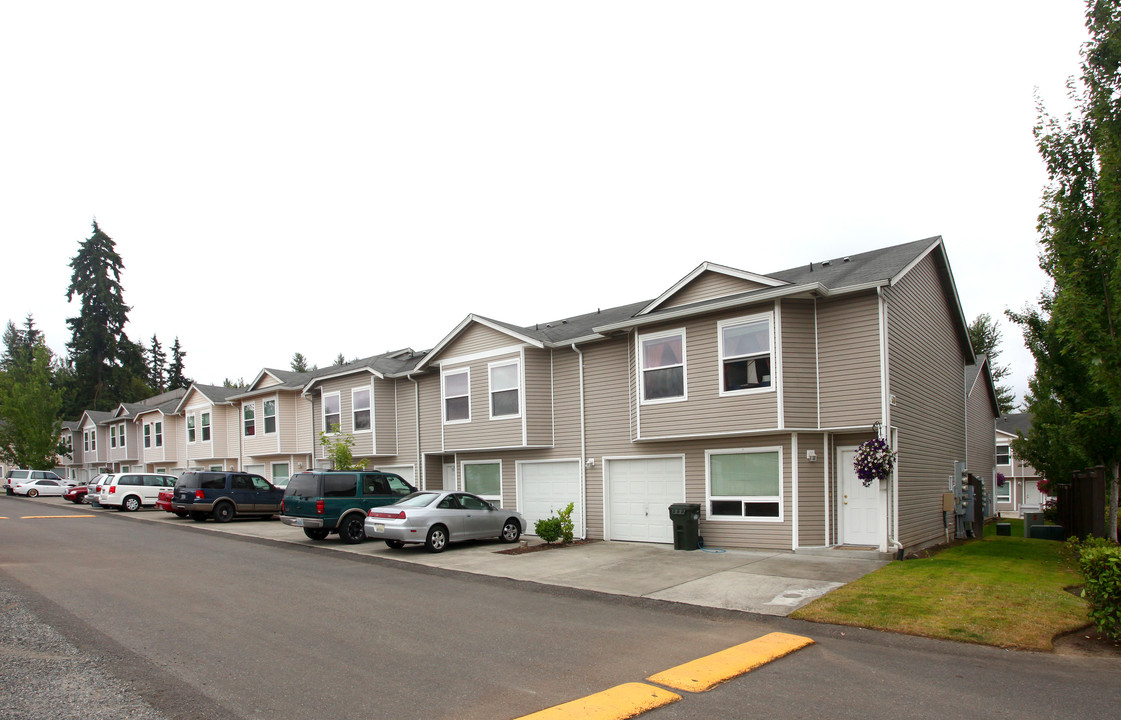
(757, 581)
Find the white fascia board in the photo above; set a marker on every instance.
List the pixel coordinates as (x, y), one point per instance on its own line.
(814, 288)
(704, 267)
(352, 371)
(429, 358)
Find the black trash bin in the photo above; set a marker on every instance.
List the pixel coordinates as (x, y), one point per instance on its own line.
(686, 519)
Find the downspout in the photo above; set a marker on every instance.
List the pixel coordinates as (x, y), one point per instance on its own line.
(890, 434)
(583, 445)
(416, 415)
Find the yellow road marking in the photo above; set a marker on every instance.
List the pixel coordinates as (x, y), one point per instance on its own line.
(707, 672)
(45, 517)
(617, 703)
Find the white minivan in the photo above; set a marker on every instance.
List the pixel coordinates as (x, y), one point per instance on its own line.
(128, 491)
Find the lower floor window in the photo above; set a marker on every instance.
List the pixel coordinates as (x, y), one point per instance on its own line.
(280, 474)
(484, 480)
(1004, 492)
(745, 484)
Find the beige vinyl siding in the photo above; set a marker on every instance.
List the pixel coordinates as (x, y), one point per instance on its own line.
(385, 411)
(705, 412)
(813, 501)
(482, 431)
(259, 443)
(927, 377)
(363, 441)
(404, 393)
(431, 414)
(799, 363)
(980, 424)
(306, 439)
(477, 338)
(288, 422)
(709, 285)
(267, 381)
(199, 449)
(848, 358)
(538, 391)
(607, 401)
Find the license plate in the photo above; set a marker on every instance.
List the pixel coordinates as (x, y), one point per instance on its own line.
(378, 527)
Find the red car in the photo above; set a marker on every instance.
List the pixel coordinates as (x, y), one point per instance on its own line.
(163, 502)
(76, 494)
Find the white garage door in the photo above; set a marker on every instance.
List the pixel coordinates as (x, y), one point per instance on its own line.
(407, 472)
(639, 493)
(547, 487)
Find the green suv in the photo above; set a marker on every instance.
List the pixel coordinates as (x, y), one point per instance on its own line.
(326, 501)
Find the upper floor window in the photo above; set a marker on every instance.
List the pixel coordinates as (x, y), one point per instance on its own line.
(457, 396)
(148, 435)
(250, 420)
(190, 428)
(745, 354)
(112, 436)
(504, 389)
(121, 434)
(1003, 455)
(270, 416)
(662, 366)
(93, 440)
(332, 413)
(206, 427)
(86, 441)
(360, 402)
(159, 434)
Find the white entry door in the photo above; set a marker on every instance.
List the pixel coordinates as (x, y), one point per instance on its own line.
(449, 477)
(639, 493)
(547, 487)
(860, 506)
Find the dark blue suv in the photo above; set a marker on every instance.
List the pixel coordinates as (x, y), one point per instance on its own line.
(225, 495)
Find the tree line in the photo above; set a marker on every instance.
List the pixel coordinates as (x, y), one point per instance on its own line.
(102, 367)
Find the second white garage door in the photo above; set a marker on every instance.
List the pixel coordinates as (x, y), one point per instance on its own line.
(639, 493)
(546, 487)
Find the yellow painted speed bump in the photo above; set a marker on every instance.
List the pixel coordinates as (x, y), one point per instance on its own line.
(707, 672)
(622, 701)
(53, 517)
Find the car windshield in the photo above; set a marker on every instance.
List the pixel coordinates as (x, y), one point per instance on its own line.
(418, 499)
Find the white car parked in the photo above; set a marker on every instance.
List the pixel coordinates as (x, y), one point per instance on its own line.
(24, 476)
(129, 491)
(35, 488)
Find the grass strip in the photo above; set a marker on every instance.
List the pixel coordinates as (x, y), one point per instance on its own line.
(1003, 591)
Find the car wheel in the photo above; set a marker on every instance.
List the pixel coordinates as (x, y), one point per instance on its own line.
(180, 513)
(395, 544)
(352, 529)
(223, 512)
(316, 533)
(198, 516)
(32, 493)
(511, 531)
(131, 503)
(437, 539)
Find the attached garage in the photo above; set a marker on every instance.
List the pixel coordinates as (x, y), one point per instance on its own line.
(638, 493)
(407, 472)
(547, 487)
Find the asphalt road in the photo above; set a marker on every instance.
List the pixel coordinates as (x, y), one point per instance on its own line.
(206, 625)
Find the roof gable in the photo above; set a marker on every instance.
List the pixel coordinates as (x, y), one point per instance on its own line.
(709, 281)
(516, 335)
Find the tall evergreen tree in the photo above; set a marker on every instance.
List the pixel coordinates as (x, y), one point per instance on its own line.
(176, 372)
(985, 335)
(29, 402)
(157, 366)
(1080, 235)
(299, 363)
(106, 363)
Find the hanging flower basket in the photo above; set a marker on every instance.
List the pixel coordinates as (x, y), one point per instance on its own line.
(874, 460)
(1000, 479)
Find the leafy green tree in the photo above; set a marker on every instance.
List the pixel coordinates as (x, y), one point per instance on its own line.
(175, 372)
(29, 402)
(157, 365)
(106, 363)
(1080, 238)
(339, 448)
(985, 335)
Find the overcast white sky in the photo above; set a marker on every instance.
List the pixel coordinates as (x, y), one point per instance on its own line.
(357, 177)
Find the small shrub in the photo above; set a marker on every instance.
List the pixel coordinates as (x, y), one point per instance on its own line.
(1101, 569)
(1051, 511)
(548, 529)
(565, 519)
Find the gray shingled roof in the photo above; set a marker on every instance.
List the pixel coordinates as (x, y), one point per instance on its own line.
(1014, 423)
(859, 269)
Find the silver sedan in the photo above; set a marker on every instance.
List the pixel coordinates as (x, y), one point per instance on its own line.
(437, 518)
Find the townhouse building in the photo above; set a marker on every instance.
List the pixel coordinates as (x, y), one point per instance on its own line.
(210, 427)
(1019, 492)
(275, 426)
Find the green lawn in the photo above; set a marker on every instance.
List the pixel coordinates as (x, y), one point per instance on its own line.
(1003, 591)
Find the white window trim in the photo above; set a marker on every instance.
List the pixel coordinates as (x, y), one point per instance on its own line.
(147, 435)
(323, 412)
(245, 421)
(190, 428)
(745, 498)
(642, 368)
(444, 395)
(272, 471)
(463, 478)
(112, 437)
(93, 440)
(121, 436)
(491, 390)
(208, 425)
(157, 433)
(354, 409)
(998, 462)
(275, 416)
(770, 318)
(1007, 487)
